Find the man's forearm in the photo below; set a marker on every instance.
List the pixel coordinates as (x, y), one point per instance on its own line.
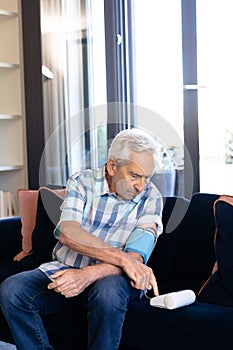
(106, 253)
(102, 270)
(76, 238)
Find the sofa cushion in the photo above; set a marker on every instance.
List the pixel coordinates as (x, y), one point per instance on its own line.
(40, 211)
(184, 257)
(194, 254)
(196, 326)
(218, 289)
(11, 239)
(28, 206)
(162, 257)
(47, 217)
(43, 240)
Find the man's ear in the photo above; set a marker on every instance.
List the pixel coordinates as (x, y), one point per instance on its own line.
(111, 166)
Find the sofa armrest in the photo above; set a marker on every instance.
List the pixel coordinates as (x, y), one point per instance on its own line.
(10, 237)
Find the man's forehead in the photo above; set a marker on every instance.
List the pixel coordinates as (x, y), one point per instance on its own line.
(140, 169)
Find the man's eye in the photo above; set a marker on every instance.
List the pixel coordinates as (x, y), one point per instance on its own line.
(134, 176)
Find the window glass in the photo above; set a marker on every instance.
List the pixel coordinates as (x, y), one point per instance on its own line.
(215, 109)
(159, 77)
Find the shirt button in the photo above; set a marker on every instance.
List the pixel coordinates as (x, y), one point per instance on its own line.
(110, 224)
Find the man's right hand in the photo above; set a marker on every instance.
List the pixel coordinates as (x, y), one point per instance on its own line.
(141, 276)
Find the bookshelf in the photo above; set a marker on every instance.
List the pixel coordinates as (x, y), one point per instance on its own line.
(13, 160)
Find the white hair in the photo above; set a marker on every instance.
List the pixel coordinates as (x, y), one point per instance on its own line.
(130, 140)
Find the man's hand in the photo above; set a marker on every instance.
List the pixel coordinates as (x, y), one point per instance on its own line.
(72, 282)
(141, 276)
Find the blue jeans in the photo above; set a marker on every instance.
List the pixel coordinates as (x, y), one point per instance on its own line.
(24, 297)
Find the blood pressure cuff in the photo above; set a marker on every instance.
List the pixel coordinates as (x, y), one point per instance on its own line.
(141, 241)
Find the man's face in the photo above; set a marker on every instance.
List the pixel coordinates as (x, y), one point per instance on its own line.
(131, 178)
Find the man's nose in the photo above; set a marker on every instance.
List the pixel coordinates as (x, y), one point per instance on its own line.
(140, 184)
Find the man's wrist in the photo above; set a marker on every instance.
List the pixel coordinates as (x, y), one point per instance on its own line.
(102, 270)
(125, 259)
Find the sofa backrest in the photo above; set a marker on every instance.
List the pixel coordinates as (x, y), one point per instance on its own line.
(184, 258)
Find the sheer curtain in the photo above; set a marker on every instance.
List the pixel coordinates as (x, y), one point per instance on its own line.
(63, 91)
(53, 57)
(73, 49)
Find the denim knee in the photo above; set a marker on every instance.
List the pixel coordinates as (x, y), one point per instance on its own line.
(10, 289)
(110, 292)
(19, 289)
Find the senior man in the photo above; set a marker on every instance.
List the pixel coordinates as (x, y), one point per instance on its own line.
(109, 224)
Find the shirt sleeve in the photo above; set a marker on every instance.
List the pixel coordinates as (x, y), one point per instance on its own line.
(152, 211)
(73, 205)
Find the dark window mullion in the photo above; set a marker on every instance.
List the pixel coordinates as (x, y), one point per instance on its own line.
(190, 96)
(111, 67)
(119, 89)
(33, 89)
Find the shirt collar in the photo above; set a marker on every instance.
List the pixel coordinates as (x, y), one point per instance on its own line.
(101, 182)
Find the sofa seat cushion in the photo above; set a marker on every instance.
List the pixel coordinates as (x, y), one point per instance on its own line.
(197, 326)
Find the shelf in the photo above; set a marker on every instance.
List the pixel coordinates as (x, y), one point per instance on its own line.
(9, 116)
(6, 65)
(7, 14)
(13, 143)
(4, 168)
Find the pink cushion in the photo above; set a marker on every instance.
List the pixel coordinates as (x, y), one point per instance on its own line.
(28, 207)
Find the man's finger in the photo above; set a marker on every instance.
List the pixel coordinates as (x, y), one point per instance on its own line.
(154, 285)
(58, 273)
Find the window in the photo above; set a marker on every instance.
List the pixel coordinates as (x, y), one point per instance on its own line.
(215, 110)
(201, 103)
(73, 48)
(159, 79)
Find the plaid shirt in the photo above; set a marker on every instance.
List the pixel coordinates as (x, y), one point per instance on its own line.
(103, 214)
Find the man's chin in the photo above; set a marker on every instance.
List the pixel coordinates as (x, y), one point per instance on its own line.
(127, 195)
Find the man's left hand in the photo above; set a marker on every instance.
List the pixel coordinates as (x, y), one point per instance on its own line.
(71, 282)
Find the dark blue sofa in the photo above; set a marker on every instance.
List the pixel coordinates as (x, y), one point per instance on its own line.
(182, 259)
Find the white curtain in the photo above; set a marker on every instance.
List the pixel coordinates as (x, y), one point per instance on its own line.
(53, 57)
(73, 50)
